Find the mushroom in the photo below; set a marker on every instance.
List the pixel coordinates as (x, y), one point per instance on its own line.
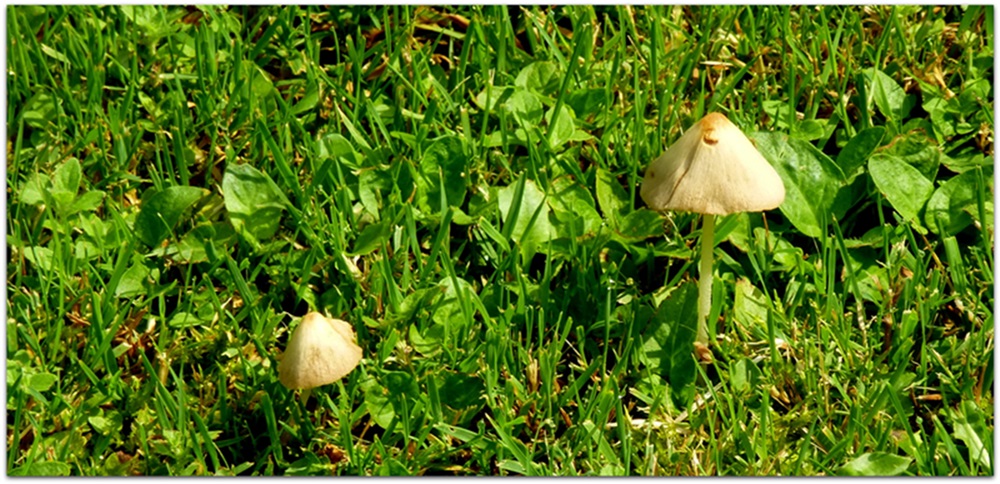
(321, 350)
(713, 169)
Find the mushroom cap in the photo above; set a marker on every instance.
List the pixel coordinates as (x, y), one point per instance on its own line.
(712, 169)
(321, 350)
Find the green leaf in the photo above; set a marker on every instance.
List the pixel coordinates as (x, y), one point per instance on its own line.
(40, 257)
(162, 211)
(975, 94)
(55, 54)
(810, 129)
(372, 184)
(669, 345)
(972, 427)
(33, 190)
(87, 202)
(876, 464)
(903, 186)
(743, 375)
(611, 197)
(967, 161)
(113, 466)
(46, 468)
(34, 16)
(889, 97)
(656, 342)
(460, 391)
(309, 99)
(65, 184)
(682, 309)
(587, 102)
(526, 108)
(182, 319)
(492, 95)
(849, 195)
(261, 83)
(309, 465)
(778, 111)
(67, 177)
(100, 424)
(196, 245)
(391, 467)
(133, 282)
(377, 403)
(786, 255)
(811, 180)
(573, 207)
(253, 201)
(41, 382)
(39, 110)
(943, 113)
(146, 18)
(739, 235)
(448, 310)
(640, 225)
(371, 238)
(333, 145)
(855, 154)
(85, 249)
(750, 306)
(427, 342)
(917, 151)
(955, 204)
(542, 77)
(402, 389)
(443, 163)
(562, 128)
(415, 301)
(532, 227)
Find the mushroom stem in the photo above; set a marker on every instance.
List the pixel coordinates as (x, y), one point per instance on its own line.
(705, 280)
(305, 396)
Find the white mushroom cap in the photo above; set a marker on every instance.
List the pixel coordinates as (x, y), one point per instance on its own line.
(712, 169)
(321, 350)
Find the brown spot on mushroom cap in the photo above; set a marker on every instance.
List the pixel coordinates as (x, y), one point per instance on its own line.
(709, 124)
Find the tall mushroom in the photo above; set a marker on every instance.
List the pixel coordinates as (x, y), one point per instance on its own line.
(713, 169)
(321, 350)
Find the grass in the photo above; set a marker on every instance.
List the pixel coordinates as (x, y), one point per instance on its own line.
(461, 185)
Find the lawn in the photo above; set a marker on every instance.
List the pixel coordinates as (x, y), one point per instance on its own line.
(462, 186)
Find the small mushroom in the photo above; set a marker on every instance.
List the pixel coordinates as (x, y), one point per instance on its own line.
(713, 169)
(321, 350)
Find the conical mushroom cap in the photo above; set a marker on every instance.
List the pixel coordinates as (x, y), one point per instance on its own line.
(712, 169)
(321, 350)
